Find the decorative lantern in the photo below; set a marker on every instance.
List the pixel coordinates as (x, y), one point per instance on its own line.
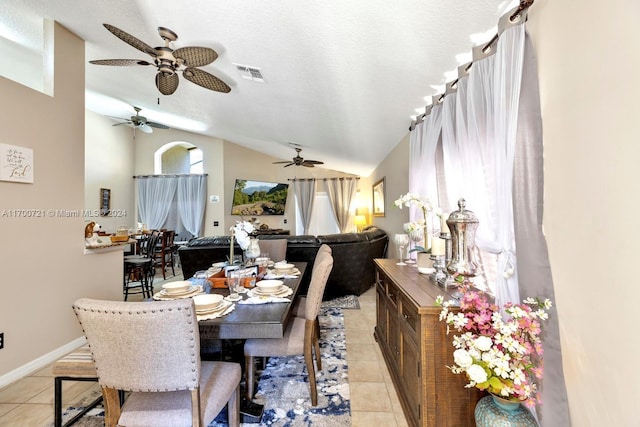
(462, 226)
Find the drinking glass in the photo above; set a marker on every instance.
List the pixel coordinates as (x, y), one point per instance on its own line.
(201, 279)
(401, 241)
(233, 280)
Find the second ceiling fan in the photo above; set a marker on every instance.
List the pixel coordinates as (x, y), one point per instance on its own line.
(141, 122)
(299, 161)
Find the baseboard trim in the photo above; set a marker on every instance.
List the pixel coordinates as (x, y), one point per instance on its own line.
(40, 362)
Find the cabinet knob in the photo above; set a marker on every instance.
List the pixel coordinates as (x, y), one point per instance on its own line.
(406, 316)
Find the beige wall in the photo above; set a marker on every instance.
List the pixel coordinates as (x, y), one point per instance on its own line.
(394, 171)
(44, 268)
(109, 163)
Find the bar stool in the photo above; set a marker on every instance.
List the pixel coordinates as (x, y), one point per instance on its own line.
(75, 366)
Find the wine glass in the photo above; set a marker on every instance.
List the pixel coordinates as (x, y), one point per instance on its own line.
(401, 241)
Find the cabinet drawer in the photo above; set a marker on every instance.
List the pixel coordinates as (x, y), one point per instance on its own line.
(410, 317)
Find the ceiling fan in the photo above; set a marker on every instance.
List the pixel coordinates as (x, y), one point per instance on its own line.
(169, 62)
(299, 161)
(141, 122)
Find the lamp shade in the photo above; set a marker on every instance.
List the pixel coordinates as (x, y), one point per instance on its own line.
(360, 220)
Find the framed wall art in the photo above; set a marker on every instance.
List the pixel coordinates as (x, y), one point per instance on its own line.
(378, 198)
(16, 164)
(105, 201)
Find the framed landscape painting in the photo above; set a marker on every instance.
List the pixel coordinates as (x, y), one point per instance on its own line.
(378, 198)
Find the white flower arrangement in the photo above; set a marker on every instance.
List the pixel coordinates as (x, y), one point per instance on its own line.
(241, 231)
(427, 207)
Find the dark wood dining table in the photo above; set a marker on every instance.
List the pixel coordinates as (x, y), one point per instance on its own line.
(267, 320)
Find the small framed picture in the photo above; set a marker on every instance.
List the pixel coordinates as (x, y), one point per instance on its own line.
(105, 201)
(378, 198)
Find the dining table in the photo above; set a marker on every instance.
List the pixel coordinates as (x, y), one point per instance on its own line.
(268, 320)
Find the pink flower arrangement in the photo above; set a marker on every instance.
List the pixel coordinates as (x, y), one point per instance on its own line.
(502, 356)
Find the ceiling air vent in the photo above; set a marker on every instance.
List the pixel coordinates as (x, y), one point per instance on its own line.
(250, 73)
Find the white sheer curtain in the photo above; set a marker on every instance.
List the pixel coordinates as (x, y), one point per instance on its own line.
(342, 192)
(191, 202)
(305, 191)
(422, 160)
(494, 117)
(507, 79)
(155, 195)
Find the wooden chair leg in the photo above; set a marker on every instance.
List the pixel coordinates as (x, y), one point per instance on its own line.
(111, 400)
(233, 408)
(316, 339)
(196, 413)
(308, 358)
(249, 373)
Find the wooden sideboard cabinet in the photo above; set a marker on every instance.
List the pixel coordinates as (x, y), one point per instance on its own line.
(417, 349)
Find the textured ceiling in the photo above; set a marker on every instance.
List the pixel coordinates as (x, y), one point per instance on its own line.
(342, 78)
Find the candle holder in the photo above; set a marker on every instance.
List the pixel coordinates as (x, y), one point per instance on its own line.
(449, 281)
(439, 264)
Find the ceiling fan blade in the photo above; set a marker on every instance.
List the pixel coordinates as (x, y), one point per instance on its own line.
(314, 162)
(206, 80)
(144, 128)
(122, 123)
(307, 164)
(119, 62)
(166, 84)
(157, 125)
(282, 162)
(290, 164)
(195, 56)
(131, 40)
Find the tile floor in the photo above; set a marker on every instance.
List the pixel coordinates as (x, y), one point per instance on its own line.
(29, 401)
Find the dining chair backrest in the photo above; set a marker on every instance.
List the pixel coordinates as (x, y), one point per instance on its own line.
(322, 266)
(150, 248)
(142, 346)
(276, 248)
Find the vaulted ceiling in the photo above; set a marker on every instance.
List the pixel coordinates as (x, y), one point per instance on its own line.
(341, 78)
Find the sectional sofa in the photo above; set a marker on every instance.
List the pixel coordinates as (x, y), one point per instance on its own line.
(353, 254)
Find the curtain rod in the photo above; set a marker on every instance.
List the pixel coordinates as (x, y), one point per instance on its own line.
(523, 6)
(323, 179)
(170, 175)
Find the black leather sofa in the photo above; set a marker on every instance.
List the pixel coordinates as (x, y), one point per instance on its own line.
(353, 254)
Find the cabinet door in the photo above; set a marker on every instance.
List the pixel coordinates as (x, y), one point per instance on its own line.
(410, 373)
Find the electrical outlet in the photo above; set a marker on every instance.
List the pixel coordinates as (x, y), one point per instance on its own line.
(1, 340)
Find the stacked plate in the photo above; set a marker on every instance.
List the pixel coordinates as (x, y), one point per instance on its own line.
(270, 288)
(178, 289)
(209, 303)
(283, 268)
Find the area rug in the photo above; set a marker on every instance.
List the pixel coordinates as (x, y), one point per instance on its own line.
(347, 301)
(283, 387)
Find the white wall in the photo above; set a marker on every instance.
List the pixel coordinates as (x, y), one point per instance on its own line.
(588, 60)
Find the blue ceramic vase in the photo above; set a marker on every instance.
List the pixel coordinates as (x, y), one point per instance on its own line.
(493, 411)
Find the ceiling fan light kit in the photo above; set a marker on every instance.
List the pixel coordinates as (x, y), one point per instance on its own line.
(169, 61)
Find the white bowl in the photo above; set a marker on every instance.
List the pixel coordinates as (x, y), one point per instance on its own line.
(177, 287)
(283, 266)
(207, 301)
(269, 286)
(426, 270)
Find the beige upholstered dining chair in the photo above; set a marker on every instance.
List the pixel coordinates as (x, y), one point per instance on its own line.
(276, 248)
(302, 333)
(152, 349)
